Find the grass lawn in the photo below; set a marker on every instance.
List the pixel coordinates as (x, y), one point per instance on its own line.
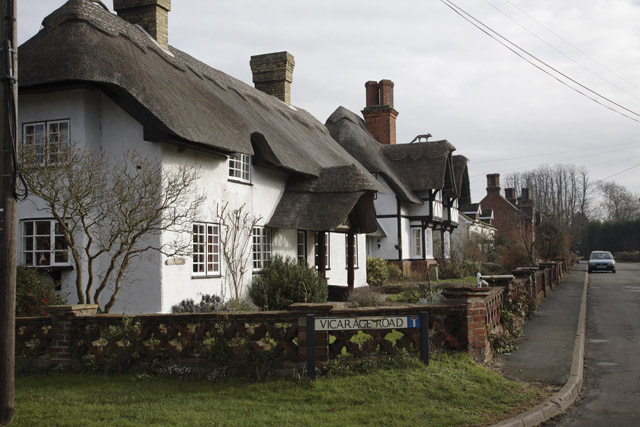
(452, 391)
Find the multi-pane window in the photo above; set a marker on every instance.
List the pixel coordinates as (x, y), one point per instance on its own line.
(43, 244)
(416, 242)
(428, 242)
(355, 251)
(240, 167)
(206, 249)
(45, 141)
(302, 247)
(261, 247)
(327, 248)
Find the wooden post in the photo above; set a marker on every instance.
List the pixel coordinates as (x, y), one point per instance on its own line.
(322, 254)
(351, 261)
(8, 208)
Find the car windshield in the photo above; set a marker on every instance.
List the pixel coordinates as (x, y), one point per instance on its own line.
(601, 255)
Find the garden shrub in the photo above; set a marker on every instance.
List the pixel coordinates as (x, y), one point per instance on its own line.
(208, 304)
(379, 271)
(365, 297)
(34, 292)
(283, 282)
(458, 270)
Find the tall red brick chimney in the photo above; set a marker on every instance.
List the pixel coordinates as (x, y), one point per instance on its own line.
(379, 114)
(152, 15)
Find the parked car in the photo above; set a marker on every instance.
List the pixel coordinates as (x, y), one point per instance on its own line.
(601, 260)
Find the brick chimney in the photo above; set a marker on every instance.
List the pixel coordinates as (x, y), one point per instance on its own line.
(379, 114)
(510, 195)
(526, 198)
(273, 74)
(152, 15)
(493, 183)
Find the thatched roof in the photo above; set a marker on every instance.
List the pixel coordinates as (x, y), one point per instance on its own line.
(461, 175)
(408, 168)
(179, 99)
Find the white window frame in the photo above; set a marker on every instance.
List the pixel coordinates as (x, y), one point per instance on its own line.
(416, 242)
(355, 251)
(240, 167)
(48, 141)
(43, 248)
(428, 242)
(205, 258)
(261, 247)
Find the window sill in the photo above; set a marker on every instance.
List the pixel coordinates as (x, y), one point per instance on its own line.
(239, 181)
(216, 276)
(68, 267)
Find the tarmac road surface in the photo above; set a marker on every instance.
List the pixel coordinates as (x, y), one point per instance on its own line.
(611, 391)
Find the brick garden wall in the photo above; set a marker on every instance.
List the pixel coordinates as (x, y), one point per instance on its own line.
(77, 335)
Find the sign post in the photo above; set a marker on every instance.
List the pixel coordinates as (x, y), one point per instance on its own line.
(424, 337)
(311, 347)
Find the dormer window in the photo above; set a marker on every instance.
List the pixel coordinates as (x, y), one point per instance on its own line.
(240, 167)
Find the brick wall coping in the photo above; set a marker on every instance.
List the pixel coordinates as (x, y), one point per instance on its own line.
(59, 309)
(458, 293)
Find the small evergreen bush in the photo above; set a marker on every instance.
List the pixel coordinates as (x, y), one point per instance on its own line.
(283, 282)
(34, 292)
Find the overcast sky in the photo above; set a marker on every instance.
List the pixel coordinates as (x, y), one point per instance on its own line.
(451, 80)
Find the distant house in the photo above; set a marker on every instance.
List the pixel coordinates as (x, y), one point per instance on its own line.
(515, 218)
(475, 228)
(113, 82)
(422, 181)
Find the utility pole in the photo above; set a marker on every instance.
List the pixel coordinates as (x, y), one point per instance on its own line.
(8, 207)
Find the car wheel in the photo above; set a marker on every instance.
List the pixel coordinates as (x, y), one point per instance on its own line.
(589, 270)
(613, 271)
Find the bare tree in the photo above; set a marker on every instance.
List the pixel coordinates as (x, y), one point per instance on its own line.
(236, 237)
(618, 203)
(112, 209)
(562, 191)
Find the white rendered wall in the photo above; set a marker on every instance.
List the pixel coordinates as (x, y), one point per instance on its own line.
(151, 284)
(95, 122)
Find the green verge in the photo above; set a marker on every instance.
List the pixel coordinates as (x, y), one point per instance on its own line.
(452, 391)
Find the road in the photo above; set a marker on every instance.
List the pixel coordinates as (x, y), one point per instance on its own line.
(611, 391)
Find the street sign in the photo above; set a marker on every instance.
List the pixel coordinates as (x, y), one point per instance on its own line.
(374, 322)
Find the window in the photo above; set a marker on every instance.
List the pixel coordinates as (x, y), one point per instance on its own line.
(428, 242)
(355, 251)
(206, 249)
(261, 247)
(45, 140)
(302, 247)
(327, 249)
(43, 244)
(240, 167)
(416, 242)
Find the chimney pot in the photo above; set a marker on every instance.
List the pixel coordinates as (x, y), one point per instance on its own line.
(386, 92)
(373, 93)
(379, 114)
(152, 15)
(273, 74)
